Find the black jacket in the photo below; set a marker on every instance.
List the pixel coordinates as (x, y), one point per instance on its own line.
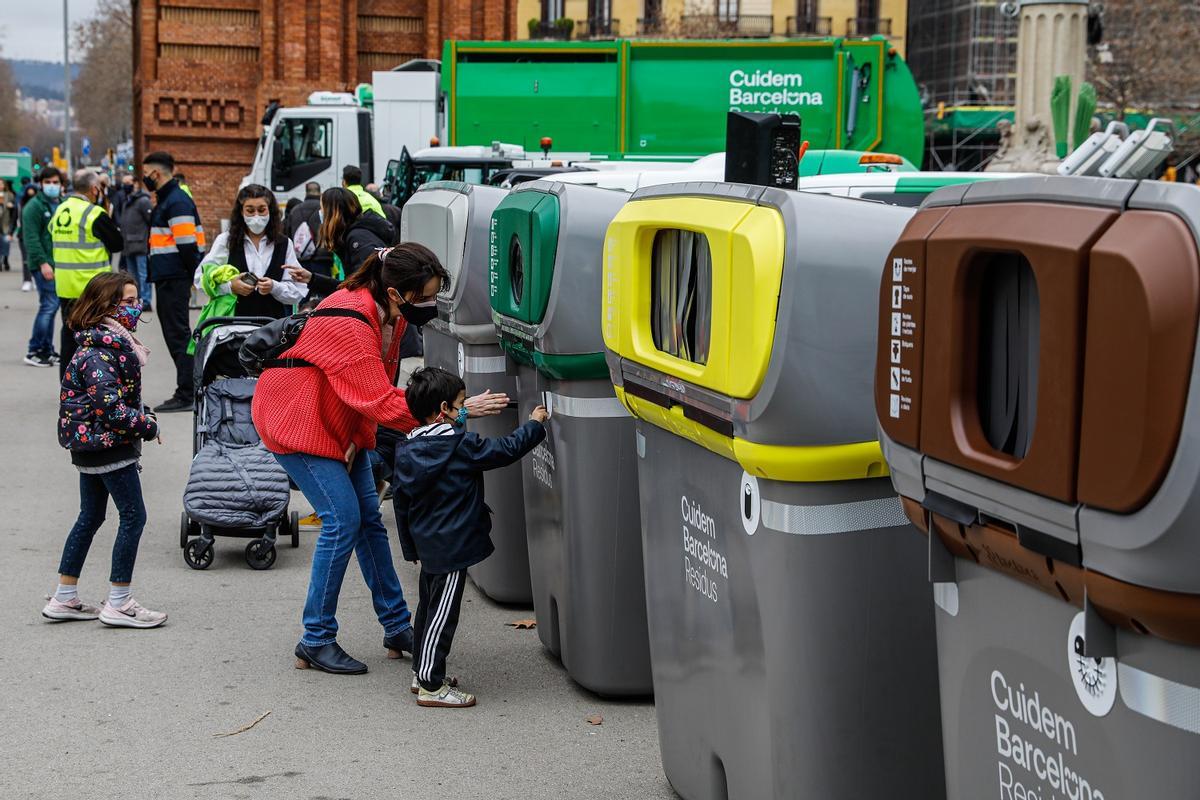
(367, 234)
(307, 208)
(440, 511)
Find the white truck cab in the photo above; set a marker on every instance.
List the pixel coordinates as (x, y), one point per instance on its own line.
(314, 142)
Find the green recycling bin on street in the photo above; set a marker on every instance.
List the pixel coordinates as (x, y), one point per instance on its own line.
(1038, 394)
(792, 645)
(581, 501)
(453, 220)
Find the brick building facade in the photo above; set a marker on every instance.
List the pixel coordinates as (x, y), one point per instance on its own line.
(205, 70)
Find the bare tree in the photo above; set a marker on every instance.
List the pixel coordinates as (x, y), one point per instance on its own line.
(10, 123)
(1147, 60)
(103, 91)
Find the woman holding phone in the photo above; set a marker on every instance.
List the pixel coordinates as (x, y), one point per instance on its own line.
(256, 246)
(320, 419)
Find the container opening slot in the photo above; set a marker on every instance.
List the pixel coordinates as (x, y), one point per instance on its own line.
(1009, 335)
(681, 305)
(516, 267)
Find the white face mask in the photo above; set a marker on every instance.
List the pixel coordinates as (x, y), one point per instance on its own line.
(256, 224)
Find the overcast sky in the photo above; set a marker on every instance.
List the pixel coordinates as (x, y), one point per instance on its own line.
(34, 29)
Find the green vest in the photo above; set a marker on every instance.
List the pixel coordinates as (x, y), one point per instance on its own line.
(365, 200)
(78, 255)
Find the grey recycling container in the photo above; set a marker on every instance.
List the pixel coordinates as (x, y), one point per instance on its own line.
(452, 219)
(581, 491)
(790, 631)
(1037, 395)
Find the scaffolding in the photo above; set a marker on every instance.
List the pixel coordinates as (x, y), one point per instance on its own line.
(963, 54)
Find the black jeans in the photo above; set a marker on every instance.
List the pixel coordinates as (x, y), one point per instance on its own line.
(171, 305)
(66, 336)
(125, 488)
(435, 624)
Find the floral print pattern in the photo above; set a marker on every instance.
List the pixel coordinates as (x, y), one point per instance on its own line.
(100, 405)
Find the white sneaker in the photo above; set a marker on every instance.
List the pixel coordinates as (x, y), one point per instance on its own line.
(446, 697)
(416, 685)
(131, 615)
(27, 286)
(69, 612)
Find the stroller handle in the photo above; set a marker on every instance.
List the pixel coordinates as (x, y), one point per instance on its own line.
(213, 322)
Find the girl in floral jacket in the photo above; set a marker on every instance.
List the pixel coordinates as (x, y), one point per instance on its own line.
(102, 422)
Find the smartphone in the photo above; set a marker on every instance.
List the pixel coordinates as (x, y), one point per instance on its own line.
(249, 279)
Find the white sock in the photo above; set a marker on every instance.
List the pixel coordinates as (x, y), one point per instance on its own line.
(118, 595)
(67, 593)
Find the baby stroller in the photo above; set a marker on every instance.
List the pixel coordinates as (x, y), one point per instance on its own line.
(235, 487)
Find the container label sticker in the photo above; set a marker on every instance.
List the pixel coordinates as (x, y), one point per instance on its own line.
(704, 566)
(1095, 679)
(542, 462)
(1037, 746)
(903, 329)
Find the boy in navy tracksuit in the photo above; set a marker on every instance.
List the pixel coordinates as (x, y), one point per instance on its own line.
(441, 516)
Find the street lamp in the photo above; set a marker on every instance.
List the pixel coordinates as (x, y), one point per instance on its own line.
(67, 89)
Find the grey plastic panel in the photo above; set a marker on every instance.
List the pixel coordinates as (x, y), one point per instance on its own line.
(804, 623)
(1008, 637)
(1103, 192)
(906, 468)
(572, 321)
(946, 196)
(726, 191)
(819, 387)
(442, 215)
(1001, 501)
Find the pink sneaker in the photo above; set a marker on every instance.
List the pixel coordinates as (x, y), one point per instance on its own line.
(69, 612)
(131, 615)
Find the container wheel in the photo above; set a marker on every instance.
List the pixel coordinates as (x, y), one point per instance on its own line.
(260, 554)
(294, 524)
(198, 554)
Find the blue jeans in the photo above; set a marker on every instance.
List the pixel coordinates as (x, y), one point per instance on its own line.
(348, 506)
(125, 488)
(42, 341)
(136, 266)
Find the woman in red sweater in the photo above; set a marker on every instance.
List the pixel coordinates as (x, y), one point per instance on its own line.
(320, 422)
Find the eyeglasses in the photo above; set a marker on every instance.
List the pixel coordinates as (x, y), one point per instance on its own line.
(127, 301)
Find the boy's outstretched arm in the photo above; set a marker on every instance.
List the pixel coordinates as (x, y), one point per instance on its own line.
(495, 453)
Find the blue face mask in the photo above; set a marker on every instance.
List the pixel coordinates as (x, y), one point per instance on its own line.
(461, 419)
(52, 190)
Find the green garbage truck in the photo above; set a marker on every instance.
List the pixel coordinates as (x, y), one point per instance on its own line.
(656, 100)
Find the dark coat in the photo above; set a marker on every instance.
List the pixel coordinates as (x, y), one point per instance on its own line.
(135, 223)
(176, 220)
(440, 511)
(367, 234)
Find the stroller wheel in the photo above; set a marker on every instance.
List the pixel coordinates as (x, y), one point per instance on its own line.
(198, 554)
(185, 527)
(294, 526)
(260, 554)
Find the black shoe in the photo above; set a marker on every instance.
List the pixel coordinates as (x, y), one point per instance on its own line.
(329, 658)
(400, 643)
(176, 403)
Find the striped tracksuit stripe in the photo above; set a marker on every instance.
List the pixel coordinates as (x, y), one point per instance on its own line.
(435, 625)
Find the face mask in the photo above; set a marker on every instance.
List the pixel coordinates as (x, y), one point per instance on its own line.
(127, 316)
(419, 313)
(461, 419)
(51, 189)
(150, 183)
(321, 215)
(256, 224)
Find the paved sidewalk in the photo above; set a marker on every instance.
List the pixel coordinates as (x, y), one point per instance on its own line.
(91, 712)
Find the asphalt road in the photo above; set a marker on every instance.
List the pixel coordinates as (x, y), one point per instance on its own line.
(87, 711)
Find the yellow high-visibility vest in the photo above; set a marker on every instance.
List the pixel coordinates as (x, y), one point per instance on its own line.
(78, 255)
(365, 200)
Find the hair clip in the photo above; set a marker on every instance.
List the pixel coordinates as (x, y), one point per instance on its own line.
(384, 252)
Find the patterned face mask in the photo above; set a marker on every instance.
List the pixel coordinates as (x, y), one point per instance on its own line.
(127, 315)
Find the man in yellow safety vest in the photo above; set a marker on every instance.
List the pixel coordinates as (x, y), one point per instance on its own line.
(84, 237)
(352, 179)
